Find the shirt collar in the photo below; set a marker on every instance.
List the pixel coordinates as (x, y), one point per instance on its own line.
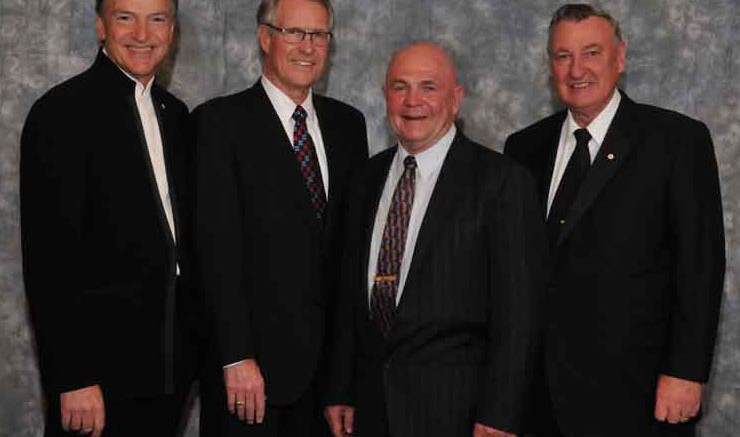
(284, 105)
(141, 91)
(430, 160)
(599, 125)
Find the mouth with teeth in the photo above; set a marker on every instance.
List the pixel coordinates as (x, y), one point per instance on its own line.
(140, 51)
(410, 117)
(580, 85)
(304, 63)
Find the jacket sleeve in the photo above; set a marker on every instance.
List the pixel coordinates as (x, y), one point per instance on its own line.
(697, 236)
(219, 236)
(516, 258)
(52, 188)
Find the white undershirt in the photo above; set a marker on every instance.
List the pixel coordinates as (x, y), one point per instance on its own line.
(428, 165)
(597, 128)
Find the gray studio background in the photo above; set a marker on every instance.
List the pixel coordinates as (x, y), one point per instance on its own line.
(682, 54)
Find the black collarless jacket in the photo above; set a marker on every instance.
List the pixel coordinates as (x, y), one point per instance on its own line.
(99, 259)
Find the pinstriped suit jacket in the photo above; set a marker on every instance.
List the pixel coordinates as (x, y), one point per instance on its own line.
(464, 335)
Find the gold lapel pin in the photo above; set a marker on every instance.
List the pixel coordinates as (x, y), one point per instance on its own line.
(610, 157)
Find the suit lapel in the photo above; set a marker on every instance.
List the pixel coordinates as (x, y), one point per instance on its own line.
(332, 138)
(150, 169)
(612, 154)
(266, 132)
(445, 196)
(546, 157)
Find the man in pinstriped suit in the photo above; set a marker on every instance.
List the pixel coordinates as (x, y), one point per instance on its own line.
(453, 354)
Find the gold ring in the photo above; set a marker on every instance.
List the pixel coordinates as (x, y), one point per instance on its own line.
(239, 403)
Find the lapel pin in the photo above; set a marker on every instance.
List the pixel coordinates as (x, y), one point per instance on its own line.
(610, 157)
(161, 105)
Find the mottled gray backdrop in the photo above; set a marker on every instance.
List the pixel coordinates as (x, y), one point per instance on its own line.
(682, 54)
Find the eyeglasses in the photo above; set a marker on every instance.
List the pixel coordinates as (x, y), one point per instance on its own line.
(294, 35)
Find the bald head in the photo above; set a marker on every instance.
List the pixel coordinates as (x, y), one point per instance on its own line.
(422, 95)
(426, 52)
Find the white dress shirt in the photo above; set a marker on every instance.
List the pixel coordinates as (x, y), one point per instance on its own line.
(153, 137)
(428, 165)
(284, 107)
(597, 128)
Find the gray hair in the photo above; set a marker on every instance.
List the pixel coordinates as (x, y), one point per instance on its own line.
(267, 8)
(581, 11)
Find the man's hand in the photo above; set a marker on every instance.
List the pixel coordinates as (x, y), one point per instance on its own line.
(481, 430)
(341, 419)
(83, 410)
(677, 400)
(245, 391)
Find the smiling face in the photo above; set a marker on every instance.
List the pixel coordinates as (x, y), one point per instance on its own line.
(422, 96)
(586, 60)
(294, 68)
(136, 34)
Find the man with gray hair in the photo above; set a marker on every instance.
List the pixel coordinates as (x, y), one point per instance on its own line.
(102, 216)
(272, 165)
(634, 216)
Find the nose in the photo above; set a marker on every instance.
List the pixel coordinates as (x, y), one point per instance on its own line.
(412, 96)
(576, 67)
(306, 46)
(140, 31)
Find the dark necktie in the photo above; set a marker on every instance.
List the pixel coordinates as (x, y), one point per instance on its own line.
(575, 172)
(305, 153)
(390, 255)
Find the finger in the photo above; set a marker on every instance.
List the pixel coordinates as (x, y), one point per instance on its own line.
(87, 422)
(241, 405)
(250, 408)
(231, 401)
(334, 420)
(98, 421)
(674, 415)
(348, 420)
(694, 411)
(75, 422)
(259, 413)
(66, 418)
(661, 411)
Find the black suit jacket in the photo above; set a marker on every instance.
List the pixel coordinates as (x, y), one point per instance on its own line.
(637, 271)
(98, 256)
(464, 335)
(264, 258)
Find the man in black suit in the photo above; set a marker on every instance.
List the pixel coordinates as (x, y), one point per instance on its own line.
(435, 331)
(102, 197)
(273, 162)
(633, 208)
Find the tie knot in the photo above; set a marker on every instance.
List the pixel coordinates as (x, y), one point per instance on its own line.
(582, 136)
(409, 162)
(299, 114)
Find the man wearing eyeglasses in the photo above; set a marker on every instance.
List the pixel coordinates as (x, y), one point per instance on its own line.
(272, 165)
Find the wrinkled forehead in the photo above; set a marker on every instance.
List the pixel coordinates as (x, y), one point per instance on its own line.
(422, 63)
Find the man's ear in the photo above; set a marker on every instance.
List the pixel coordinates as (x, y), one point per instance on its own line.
(263, 34)
(100, 29)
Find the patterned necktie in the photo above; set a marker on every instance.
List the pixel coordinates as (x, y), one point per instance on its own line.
(390, 255)
(575, 172)
(305, 153)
